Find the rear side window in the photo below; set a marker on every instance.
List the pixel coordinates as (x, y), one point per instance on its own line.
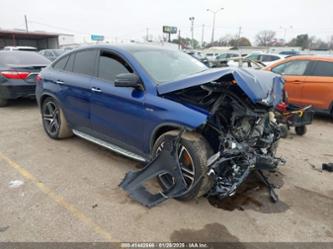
(323, 68)
(60, 64)
(85, 62)
(292, 68)
(111, 65)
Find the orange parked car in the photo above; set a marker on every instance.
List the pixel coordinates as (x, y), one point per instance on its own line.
(309, 80)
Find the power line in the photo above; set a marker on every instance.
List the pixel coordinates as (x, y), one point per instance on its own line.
(56, 27)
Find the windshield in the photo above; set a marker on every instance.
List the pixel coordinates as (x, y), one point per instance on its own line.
(222, 56)
(168, 65)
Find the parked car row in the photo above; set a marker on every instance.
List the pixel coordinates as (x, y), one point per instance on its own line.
(50, 54)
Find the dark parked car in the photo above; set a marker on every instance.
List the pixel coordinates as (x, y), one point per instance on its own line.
(18, 71)
(290, 52)
(201, 58)
(222, 59)
(52, 54)
(131, 98)
(265, 59)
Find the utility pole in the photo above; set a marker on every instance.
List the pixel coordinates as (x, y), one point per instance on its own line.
(179, 41)
(214, 16)
(202, 34)
(285, 29)
(192, 30)
(26, 23)
(239, 36)
(147, 34)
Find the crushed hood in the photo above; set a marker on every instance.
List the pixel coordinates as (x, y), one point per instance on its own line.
(260, 86)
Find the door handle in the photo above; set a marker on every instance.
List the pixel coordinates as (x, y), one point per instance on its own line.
(60, 82)
(295, 81)
(96, 89)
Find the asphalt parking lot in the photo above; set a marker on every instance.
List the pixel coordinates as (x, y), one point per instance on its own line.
(68, 191)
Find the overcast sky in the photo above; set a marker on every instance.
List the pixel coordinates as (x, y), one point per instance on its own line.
(129, 19)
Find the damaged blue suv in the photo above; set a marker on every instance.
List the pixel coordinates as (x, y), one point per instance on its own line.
(129, 98)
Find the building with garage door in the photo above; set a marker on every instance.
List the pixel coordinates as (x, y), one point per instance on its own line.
(39, 39)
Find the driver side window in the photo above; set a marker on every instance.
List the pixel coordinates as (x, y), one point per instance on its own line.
(110, 65)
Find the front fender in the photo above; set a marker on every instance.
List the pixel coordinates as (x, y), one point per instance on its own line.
(162, 112)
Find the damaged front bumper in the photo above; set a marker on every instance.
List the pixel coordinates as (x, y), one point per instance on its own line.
(227, 169)
(166, 162)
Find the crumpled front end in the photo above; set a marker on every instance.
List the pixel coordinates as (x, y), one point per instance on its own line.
(241, 130)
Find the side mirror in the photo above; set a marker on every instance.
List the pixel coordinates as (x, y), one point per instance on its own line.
(128, 80)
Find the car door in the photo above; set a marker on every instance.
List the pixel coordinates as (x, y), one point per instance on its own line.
(75, 82)
(293, 73)
(117, 113)
(318, 85)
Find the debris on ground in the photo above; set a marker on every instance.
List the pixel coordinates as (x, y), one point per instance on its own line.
(15, 183)
(328, 167)
(166, 162)
(3, 229)
(313, 166)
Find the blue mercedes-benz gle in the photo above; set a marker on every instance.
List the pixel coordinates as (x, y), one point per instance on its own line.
(128, 98)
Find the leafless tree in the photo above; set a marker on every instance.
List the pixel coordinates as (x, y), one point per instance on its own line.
(265, 38)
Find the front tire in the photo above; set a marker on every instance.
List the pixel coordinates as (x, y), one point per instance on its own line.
(54, 121)
(193, 154)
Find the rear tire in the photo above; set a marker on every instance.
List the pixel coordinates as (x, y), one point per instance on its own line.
(54, 121)
(300, 130)
(3, 102)
(198, 151)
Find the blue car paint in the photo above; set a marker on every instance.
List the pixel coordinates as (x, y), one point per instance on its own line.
(128, 117)
(257, 85)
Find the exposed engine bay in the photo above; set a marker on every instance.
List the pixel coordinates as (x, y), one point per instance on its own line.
(243, 135)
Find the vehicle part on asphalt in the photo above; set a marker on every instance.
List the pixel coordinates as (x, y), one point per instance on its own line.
(166, 162)
(288, 115)
(283, 130)
(300, 130)
(328, 167)
(15, 183)
(274, 197)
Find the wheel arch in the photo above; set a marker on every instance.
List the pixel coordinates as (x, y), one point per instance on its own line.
(45, 95)
(331, 109)
(163, 128)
